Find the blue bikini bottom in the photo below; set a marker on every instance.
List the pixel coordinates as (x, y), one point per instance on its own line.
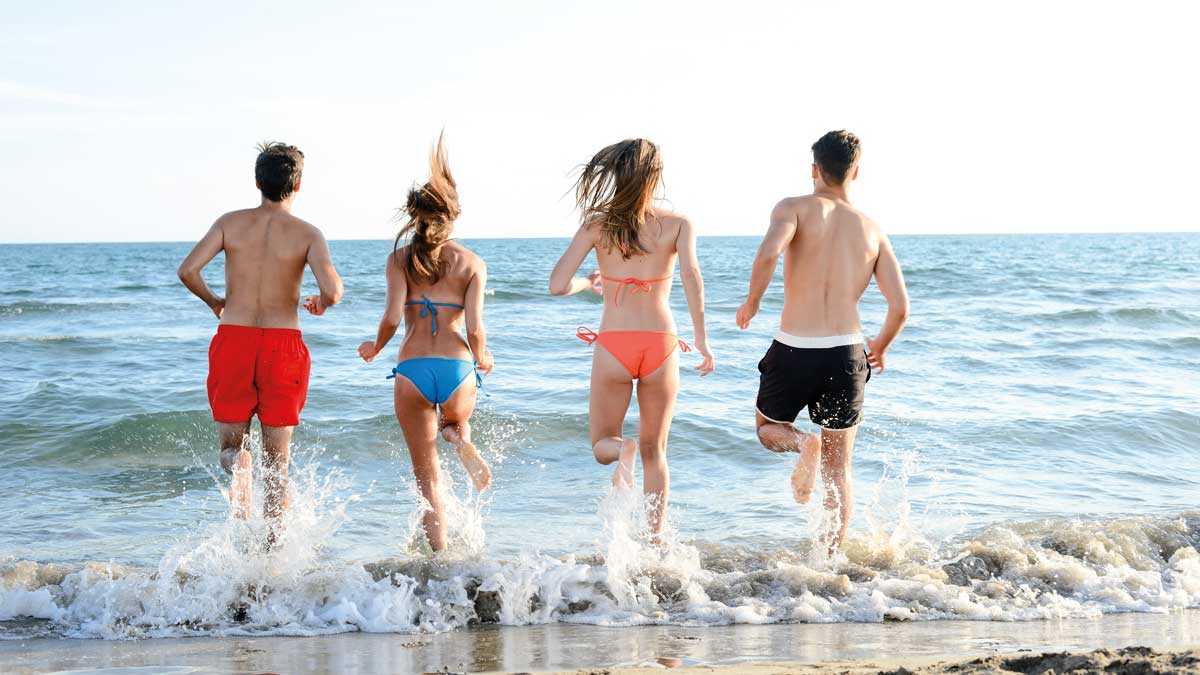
(436, 378)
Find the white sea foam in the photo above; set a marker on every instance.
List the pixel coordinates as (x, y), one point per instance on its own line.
(221, 582)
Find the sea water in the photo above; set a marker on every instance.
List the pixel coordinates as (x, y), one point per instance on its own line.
(1032, 451)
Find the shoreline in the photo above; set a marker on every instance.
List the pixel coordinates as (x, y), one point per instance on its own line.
(571, 648)
(1124, 661)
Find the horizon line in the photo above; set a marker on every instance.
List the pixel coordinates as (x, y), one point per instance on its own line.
(706, 236)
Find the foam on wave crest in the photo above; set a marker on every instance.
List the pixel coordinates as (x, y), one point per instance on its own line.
(220, 581)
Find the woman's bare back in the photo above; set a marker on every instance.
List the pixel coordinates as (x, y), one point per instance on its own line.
(459, 268)
(642, 304)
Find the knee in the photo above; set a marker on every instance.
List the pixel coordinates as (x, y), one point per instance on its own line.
(652, 451)
(763, 436)
(769, 439)
(602, 454)
(229, 458)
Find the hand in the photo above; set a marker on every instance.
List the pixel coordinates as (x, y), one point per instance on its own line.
(875, 355)
(709, 363)
(218, 307)
(314, 305)
(484, 363)
(597, 284)
(367, 351)
(745, 313)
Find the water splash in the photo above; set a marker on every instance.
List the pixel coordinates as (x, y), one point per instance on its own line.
(219, 581)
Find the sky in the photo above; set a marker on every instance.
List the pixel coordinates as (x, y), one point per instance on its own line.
(137, 121)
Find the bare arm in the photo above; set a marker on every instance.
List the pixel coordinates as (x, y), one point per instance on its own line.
(563, 280)
(321, 264)
(393, 310)
(212, 243)
(693, 288)
(779, 235)
(890, 280)
(473, 313)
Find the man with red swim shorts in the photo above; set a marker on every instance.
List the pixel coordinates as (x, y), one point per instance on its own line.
(257, 362)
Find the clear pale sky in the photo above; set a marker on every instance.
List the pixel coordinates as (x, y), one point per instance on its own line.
(138, 122)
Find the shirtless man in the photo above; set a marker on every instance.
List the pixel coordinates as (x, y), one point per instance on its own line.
(818, 360)
(257, 362)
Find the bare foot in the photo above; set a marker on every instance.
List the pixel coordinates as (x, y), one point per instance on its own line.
(804, 476)
(623, 476)
(241, 490)
(481, 474)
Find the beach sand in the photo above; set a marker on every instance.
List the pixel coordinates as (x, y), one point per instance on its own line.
(732, 650)
(1129, 661)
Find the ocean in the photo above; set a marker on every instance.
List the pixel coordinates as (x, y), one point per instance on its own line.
(1032, 452)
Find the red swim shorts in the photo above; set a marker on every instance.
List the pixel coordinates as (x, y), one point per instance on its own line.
(261, 371)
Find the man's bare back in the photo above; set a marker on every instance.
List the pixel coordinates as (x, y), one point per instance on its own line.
(830, 252)
(827, 265)
(266, 249)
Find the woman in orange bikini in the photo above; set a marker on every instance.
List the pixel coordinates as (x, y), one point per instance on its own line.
(636, 245)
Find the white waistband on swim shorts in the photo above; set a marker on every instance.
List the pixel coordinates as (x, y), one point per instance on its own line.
(819, 342)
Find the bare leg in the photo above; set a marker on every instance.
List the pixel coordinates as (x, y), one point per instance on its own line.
(456, 429)
(277, 443)
(611, 390)
(418, 420)
(236, 461)
(617, 449)
(778, 437)
(656, 406)
(836, 450)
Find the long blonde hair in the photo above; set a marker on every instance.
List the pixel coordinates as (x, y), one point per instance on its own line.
(431, 210)
(616, 188)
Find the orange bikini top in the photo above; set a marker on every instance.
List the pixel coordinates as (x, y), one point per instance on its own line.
(639, 285)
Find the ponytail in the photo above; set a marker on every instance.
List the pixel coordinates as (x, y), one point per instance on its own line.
(431, 210)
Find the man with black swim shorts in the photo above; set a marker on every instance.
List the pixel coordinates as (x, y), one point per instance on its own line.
(820, 359)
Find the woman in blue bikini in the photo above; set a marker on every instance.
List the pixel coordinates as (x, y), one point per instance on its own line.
(436, 286)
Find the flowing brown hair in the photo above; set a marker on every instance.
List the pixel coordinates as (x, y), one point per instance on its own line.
(431, 210)
(616, 188)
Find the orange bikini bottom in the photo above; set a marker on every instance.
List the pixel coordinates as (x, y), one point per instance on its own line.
(640, 351)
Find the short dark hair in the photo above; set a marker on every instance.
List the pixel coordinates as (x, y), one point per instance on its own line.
(835, 154)
(278, 169)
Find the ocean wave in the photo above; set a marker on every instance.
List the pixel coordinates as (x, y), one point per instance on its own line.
(35, 308)
(1120, 314)
(1005, 572)
(42, 338)
(175, 434)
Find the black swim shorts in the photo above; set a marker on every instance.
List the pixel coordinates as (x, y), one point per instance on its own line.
(829, 381)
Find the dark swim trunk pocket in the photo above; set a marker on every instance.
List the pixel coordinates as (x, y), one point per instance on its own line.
(770, 360)
(858, 368)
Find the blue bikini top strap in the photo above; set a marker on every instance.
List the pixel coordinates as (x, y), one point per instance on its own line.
(429, 308)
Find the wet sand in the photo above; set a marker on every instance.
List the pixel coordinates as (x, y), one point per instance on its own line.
(733, 650)
(1128, 661)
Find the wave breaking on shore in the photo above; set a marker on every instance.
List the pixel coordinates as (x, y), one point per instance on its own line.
(221, 582)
